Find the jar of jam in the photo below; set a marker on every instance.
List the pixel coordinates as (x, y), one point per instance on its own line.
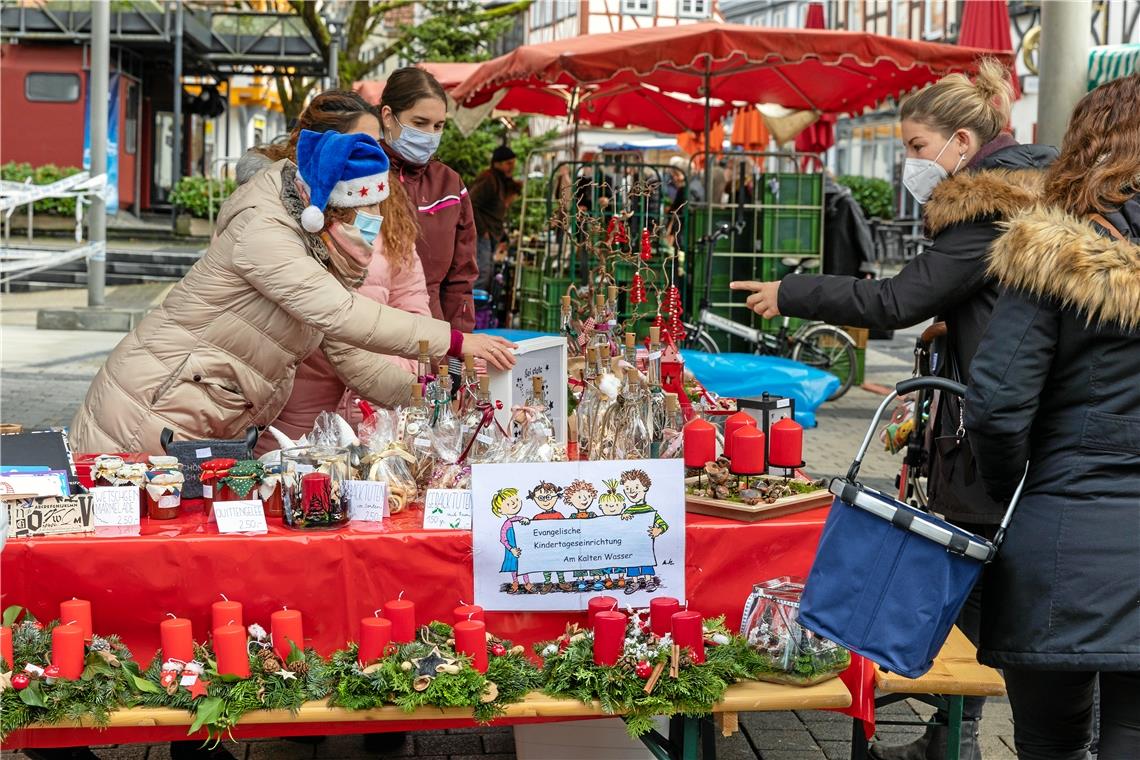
(105, 469)
(213, 470)
(163, 494)
(240, 481)
(270, 490)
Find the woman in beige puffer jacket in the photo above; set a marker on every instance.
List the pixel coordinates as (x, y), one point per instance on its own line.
(220, 353)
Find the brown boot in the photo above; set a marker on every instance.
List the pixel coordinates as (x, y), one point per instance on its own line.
(514, 587)
(529, 588)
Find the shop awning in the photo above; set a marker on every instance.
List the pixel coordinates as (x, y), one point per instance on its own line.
(1109, 62)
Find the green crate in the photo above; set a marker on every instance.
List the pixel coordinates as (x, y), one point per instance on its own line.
(788, 189)
(537, 314)
(530, 279)
(792, 232)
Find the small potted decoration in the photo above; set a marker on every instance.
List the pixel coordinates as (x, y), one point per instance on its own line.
(213, 470)
(239, 481)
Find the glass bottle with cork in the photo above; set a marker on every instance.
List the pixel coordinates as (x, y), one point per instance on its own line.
(655, 419)
(566, 322)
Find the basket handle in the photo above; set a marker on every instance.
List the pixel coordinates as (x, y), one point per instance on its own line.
(902, 388)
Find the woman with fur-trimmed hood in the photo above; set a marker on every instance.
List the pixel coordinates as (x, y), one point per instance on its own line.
(1056, 383)
(970, 175)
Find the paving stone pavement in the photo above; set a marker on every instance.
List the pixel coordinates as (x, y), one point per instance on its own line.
(44, 377)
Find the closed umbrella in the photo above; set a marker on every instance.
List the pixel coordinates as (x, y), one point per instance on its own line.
(985, 24)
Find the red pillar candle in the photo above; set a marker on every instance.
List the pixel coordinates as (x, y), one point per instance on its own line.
(6, 647)
(468, 612)
(402, 613)
(786, 443)
(177, 637)
(699, 437)
(609, 637)
(375, 634)
(224, 613)
(688, 631)
(471, 640)
(230, 650)
(747, 452)
(316, 492)
(599, 604)
(661, 611)
(77, 611)
(731, 425)
(67, 651)
(285, 627)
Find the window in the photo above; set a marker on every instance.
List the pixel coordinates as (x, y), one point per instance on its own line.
(639, 7)
(51, 88)
(564, 9)
(695, 8)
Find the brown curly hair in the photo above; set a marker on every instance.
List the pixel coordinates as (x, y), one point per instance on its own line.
(339, 110)
(1099, 166)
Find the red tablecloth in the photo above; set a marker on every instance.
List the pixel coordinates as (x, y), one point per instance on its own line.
(335, 578)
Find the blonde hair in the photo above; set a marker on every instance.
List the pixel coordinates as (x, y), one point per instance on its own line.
(954, 102)
(498, 499)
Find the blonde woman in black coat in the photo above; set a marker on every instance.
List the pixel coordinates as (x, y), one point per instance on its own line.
(1056, 384)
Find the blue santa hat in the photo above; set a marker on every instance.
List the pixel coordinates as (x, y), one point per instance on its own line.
(339, 170)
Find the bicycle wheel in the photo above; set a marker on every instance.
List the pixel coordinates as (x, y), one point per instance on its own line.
(831, 350)
(697, 338)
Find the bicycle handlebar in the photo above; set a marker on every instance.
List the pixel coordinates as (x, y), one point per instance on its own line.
(937, 383)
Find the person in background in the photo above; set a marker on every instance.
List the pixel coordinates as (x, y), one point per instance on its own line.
(720, 180)
(1055, 386)
(971, 176)
(395, 277)
(489, 200)
(220, 353)
(413, 110)
(848, 248)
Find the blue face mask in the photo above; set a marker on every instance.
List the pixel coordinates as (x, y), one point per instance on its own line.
(369, 225)
(415, 145)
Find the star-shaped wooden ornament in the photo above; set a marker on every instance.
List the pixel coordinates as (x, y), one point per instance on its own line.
(5, 681)
(286, 675)
(431, 663)
(198, 688)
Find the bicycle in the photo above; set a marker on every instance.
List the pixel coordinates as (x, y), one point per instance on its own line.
(816, 344)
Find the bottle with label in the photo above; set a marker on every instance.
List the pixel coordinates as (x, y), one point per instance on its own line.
(630, 354)
(489, 441)
(424, 371)
(417, 421)
(469, 385)
(601, 323)
(672, 427)
(631, 438)
(538, 423)
(567, 330)
(655, 419)
(609, 390)
(587, 402)
(447, 430)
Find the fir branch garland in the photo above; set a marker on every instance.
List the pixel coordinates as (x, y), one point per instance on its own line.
(103, 687)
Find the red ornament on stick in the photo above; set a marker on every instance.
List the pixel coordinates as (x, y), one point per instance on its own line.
(637, 290)
(646, 245)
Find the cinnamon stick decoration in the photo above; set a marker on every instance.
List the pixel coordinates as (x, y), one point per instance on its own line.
(675, 662)
(651, 684)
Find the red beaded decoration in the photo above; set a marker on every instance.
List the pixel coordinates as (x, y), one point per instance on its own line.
(637, 290)
(616, 232)
(646, 245)
(674, 326)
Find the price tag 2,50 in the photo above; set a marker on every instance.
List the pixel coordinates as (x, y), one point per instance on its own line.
(240, 516)
(367, 500)
(115, 510)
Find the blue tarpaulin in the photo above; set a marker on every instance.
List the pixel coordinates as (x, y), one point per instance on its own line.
(750, 376)
(745, 376)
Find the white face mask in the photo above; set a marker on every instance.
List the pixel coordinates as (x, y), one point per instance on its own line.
(922, 175)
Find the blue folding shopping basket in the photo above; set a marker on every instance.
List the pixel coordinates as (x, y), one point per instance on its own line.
(889, 580)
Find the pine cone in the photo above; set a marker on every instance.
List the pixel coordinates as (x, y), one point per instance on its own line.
(270, 664)
(264, 653)
(300, 667)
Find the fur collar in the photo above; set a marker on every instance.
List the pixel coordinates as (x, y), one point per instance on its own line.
(1050, 253)
(967, 196)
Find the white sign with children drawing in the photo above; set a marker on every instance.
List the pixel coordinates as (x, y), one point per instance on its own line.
(548, 536)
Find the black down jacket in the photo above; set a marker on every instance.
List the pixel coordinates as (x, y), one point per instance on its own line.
(1056, 383)
(948, 281)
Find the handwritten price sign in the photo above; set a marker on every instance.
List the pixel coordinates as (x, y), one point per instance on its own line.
(240, 516)
(447, 509)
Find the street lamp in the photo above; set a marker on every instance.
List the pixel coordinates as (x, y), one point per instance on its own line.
(334, 53)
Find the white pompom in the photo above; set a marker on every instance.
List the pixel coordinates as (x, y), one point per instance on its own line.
(312, 219)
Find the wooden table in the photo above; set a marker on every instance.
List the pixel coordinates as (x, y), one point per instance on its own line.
(956, 674)
(686, 734)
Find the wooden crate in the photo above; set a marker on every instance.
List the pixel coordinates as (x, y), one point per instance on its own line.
(732, 510)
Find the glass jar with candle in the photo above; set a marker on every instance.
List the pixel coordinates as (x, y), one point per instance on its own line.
(312, 482)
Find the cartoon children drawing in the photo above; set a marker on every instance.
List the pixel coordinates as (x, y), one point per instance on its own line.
(580, 495)
(506, 501)
(612, 504)
(636, 484)
(545, 496)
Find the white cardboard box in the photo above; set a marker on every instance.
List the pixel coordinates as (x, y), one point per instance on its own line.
(545, 356)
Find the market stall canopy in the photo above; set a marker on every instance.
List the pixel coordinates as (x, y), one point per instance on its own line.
(985, 24)
(447, 74)
(810, 69)
(1108, 62)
